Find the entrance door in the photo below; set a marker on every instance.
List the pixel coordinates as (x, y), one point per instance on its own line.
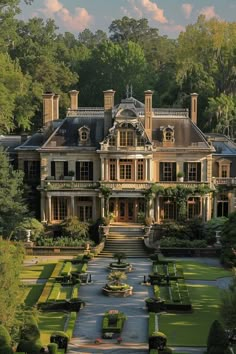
(126, 210)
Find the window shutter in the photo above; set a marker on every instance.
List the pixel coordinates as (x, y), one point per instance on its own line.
(199, 171)
(174, 171)
(161, 171)
(53, 169)
(38, 169)
(66, 168)
(186, 171)
(90, 170)
(77, 168)
(26, 168)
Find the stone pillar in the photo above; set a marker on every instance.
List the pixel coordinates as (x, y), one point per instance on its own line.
(117, 169)
(146, 168)
(151, 208)
(49, 208)
(208, 208)
(214, 206)
(157, 216)
(102, 207)
(102, 169)
(135, 169)
(42, 207)
(203, 209)
(151, 170)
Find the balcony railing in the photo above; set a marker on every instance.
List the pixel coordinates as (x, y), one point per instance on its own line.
(224, 181)
(62, 185)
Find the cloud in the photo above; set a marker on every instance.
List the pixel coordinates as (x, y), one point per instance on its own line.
(209, 12)
(76, 21)
(135, 8)
(157, 14)
(187, 9)
(173, 28)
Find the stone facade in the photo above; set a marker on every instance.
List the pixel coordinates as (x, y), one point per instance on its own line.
(104, 160)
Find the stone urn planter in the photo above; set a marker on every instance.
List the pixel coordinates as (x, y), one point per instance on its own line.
(155, 305)
(122, 290)
(123, 267)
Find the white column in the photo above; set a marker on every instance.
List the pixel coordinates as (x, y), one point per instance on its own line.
(214, 206)
(102, 207)
(146, 168)
(208, 208)
(151, 169)
(49, 208)
(157, 216)
(203, 209)
(135, 169)
(117, 169)
(102, 169)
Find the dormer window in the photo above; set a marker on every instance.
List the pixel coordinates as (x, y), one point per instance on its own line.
(168, 134)
(84, 135)
(112, 141)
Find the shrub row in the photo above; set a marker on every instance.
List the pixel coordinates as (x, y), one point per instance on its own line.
(151, 323)
(66, 268)
(55, 292)
(57, 270)
(46, 291)
(75, 292)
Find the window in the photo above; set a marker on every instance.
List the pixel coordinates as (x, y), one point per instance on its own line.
(140, 140)
(59, 169)
(84, 170)
(84, 209)
(112, 169)
(224, 171)
(125, 169)
(112, 141)
(193, 208)
(126, 138)
(168, 136)
(140, 166)
(84, 134)
(169, 209)
(192, 171)
(32, 170)
(59, 205)
(222, 205)
(168, 171)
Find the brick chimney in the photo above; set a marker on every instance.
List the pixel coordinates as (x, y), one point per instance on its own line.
(74, 99)
(48, 107)
(56, 106)
(108, 105)
(194, 97)
(148, 113)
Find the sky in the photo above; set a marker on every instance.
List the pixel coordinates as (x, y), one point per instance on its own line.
(169, 16)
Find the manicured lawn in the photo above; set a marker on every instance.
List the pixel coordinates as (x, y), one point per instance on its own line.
(192, 329)
(38, 271)
(32, 294)
(50, 322)
(200, 271)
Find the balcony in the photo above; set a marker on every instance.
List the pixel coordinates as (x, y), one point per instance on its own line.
(224, 181)
(65, 185)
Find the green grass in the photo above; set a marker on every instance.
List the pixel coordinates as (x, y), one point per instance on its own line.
(50, 322)
(200, 271)
(38, 271)
(192, 329)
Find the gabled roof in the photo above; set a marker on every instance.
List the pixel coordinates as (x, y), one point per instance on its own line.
(223, 145)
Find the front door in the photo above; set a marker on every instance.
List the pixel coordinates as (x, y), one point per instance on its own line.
(126, 210)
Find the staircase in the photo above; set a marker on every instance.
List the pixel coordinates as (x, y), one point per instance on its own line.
(127, 238)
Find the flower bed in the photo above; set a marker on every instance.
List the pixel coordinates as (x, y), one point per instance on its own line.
(124, 267)
(122, 290)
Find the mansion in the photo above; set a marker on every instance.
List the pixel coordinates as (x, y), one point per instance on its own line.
(104, 160)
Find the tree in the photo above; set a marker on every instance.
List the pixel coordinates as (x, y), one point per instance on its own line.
(11, 258)
(217, 338)
(32, 224)
(116, 277)
(12, 206)
(5, 341)
(119, 256)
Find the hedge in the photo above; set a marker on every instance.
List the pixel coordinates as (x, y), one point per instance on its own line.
(66, 268)
(5, 338)
(57, 270)
(55, 292)
(151, 323)
(71, 324)
(46, 291)
(75, 292)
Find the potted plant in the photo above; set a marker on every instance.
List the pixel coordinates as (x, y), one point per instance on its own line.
(71, 174)
(120, 265)
(180, 176)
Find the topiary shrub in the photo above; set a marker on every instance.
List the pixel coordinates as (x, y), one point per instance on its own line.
(52, 348)
(6, 350)
(30, 347)
(217, 338)
(30, 337)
